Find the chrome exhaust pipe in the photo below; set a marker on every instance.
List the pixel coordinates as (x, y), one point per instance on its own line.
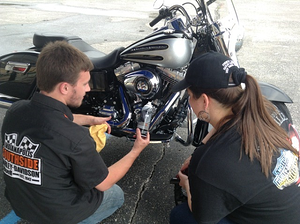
(190, 135)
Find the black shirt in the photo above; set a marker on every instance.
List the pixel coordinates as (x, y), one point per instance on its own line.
(225, 183)
(50, 164)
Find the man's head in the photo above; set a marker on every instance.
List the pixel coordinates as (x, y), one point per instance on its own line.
(60, 62)
(63, 72)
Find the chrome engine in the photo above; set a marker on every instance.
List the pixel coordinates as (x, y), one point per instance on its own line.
(143, 83)
(146, 83)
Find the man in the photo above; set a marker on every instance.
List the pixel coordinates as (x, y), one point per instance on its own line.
(52, 171)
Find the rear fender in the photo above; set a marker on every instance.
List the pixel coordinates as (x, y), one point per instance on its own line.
(17, 77)
(273, 93)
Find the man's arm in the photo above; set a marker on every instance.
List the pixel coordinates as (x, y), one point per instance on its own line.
(89, 120)
(120, 168)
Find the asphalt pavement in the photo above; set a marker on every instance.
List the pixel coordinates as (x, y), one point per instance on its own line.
(270, 52)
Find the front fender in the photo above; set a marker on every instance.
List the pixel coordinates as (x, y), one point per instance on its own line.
(273, 93)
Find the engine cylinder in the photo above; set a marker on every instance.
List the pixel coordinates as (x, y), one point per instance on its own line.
(143, 83)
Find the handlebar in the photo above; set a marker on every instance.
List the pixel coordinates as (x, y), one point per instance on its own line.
(166, 12)
(163, 13)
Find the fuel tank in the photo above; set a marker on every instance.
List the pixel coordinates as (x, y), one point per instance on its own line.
(165, 49)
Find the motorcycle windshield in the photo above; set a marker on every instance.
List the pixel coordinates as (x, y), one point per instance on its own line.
(222, 11)
(226, 28)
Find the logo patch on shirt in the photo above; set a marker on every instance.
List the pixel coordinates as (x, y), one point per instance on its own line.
(19, 161)
(286, 171)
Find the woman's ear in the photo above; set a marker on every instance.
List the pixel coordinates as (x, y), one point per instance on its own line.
(205, 100)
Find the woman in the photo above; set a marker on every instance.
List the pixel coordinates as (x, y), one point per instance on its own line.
(247, 170)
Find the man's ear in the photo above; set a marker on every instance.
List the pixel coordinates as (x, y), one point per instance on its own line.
(64, 88)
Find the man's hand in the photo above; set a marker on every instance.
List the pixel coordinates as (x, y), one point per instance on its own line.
(121, 167)
(89, 120)
(102, 120)
(140, 142)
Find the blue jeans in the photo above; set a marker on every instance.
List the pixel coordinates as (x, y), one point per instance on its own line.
(182, 214)
(113, 199)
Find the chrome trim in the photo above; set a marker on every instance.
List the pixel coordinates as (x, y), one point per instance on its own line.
(5, 105)
(127, 114)
(189, 139)
(175, 51)
(159, 115)
(219, 40)
(12, 66)
(156, 119)
(143, 83)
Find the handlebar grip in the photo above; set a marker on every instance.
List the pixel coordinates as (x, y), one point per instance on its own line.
(156, 20)
(163, 13)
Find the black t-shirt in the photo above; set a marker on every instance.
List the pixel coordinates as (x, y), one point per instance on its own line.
(225, 183)
(51, 165)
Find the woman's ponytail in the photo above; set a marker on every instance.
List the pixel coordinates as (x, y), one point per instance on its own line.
(261, 135)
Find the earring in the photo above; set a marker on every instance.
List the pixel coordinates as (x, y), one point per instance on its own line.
(204, 116)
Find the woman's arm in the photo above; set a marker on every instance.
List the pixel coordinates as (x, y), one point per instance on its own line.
(184, 183)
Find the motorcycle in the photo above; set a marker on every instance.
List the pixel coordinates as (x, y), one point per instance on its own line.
(133, 85)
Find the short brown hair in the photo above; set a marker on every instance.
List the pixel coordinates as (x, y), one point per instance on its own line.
(60, 62)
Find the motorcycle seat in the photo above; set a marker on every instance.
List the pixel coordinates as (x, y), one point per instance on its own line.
(98, 58)
(102, 62)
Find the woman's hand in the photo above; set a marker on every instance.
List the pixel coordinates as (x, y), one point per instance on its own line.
(184, 180)
(184, 183)
(186, 164)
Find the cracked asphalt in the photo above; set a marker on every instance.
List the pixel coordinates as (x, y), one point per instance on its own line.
(270, 52)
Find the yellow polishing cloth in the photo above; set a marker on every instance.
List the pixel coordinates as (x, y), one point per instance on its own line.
(98, 134)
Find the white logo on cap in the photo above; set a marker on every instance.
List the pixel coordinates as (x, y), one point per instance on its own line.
(227, 65)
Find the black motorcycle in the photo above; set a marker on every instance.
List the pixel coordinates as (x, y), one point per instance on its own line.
(133, 84)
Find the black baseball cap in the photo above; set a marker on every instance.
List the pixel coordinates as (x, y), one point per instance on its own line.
(211, 70)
